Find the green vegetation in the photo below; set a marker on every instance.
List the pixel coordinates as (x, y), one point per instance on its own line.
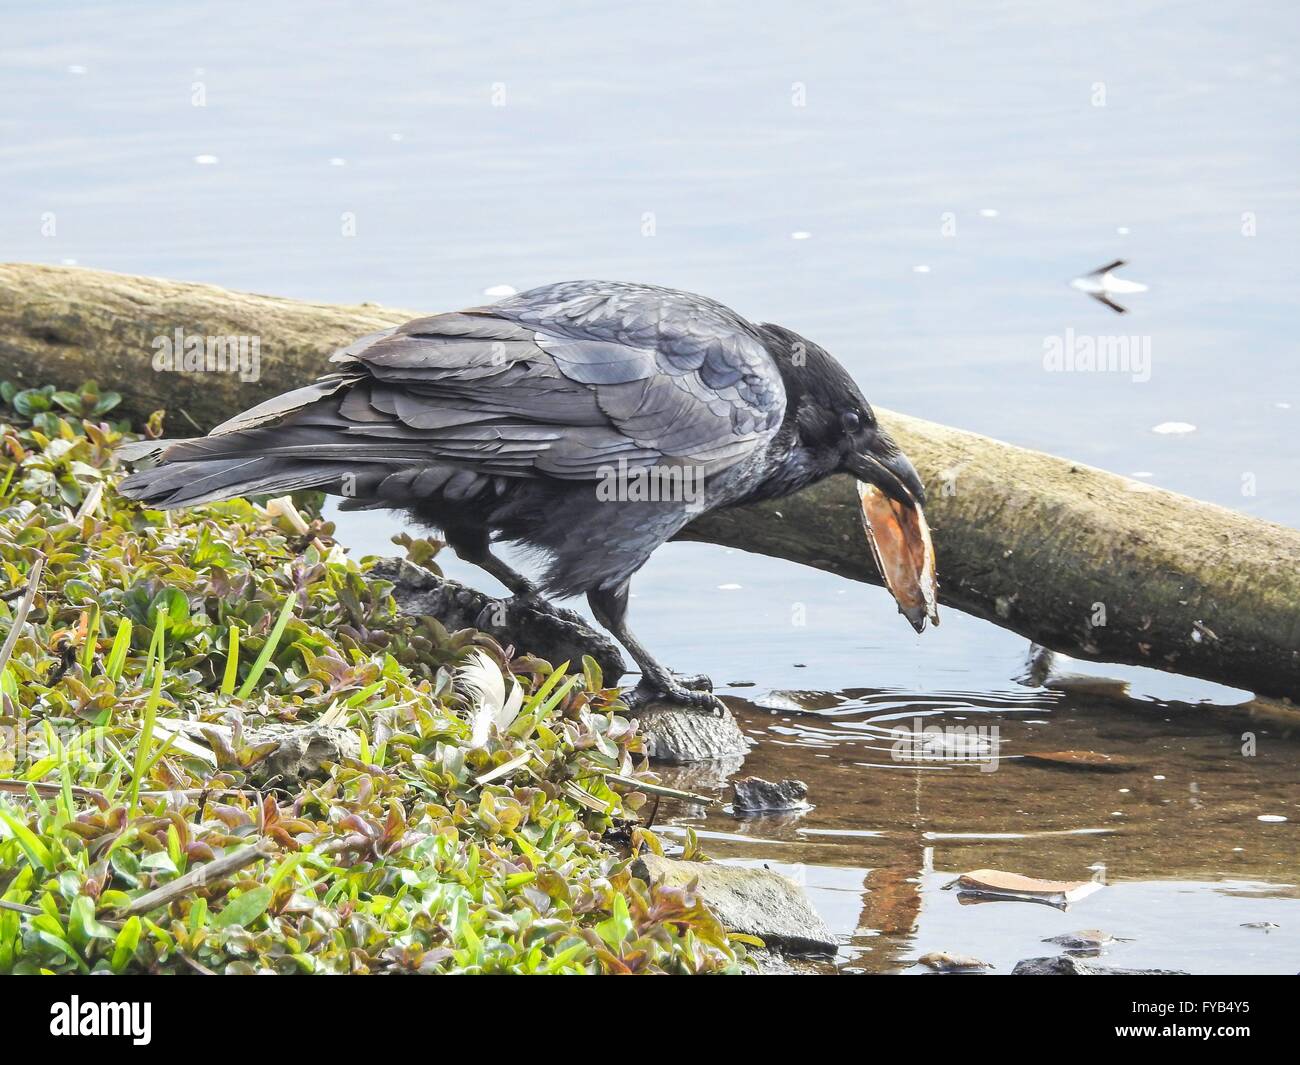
(469, 833)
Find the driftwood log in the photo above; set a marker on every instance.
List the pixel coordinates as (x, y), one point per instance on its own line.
(1076, 559)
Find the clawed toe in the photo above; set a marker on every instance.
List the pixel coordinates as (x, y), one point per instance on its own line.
(675, 692)
(535, 602)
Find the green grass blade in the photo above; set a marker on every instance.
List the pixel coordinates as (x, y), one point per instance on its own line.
(157, 648)
(232, 661)
(92, 638)
(117, 653)
(268, 649)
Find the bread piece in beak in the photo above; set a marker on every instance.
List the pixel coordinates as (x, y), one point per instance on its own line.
(900, 543)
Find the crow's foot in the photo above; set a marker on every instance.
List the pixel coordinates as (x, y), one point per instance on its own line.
(690, 693)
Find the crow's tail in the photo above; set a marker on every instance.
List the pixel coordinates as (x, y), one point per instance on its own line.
(221, 467)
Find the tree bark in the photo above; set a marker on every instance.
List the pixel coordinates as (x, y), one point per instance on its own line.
(1079, 560)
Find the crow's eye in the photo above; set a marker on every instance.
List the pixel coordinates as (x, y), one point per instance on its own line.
(850, 421)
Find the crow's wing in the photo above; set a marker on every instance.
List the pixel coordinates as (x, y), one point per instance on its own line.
(559, 381)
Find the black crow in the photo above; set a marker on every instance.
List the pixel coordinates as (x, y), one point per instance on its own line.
(587, 420)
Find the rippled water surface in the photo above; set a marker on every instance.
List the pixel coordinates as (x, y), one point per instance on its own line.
(913, 186)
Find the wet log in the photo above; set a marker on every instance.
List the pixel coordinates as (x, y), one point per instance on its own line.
(1074, 558)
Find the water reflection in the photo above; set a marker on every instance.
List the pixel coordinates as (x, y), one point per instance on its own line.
(1174, 833)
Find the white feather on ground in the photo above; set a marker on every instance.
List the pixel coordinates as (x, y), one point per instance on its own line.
(484, 687)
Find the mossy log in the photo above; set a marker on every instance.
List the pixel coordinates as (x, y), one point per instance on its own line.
(1079, 560)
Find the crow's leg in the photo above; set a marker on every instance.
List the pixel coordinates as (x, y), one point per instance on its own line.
(519, 585)
(473, 548)
(657, 683)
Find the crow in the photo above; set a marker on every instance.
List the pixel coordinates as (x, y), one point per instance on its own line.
(588, 421)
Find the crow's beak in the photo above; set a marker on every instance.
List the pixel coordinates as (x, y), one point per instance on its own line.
(889, 470)
(890, 494)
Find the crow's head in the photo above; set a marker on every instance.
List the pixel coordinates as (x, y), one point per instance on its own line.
(831, 428)
(833, 423)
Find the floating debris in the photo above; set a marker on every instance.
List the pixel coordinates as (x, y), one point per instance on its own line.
(754, 795)
(1173, 428)
(943, 962)
(1102, 285)
(994, 884)
(206, 160)
(1086, 939)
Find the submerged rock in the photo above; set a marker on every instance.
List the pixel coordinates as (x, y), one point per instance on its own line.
(756, 902)
(774, 963)
(754, 795)
(1068, 966)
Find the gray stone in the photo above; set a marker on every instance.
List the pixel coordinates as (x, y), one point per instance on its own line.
(678, 735)
(1068, 966)
(754, 795)
(756, 902)
(302, 751)
(564, 636)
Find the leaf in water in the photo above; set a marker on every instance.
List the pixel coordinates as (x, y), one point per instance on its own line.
(994, 883)
(1094, 761)
(943, 962)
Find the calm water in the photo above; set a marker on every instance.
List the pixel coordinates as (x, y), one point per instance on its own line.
(912, 187)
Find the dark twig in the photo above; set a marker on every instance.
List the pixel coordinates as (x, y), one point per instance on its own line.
(196, 878)
(20, 615)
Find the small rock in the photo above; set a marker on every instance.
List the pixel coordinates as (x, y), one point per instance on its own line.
(754, 795)
(1068, 966)
(943, 962)
(756, 902)
(302, 753)
(677, 735)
